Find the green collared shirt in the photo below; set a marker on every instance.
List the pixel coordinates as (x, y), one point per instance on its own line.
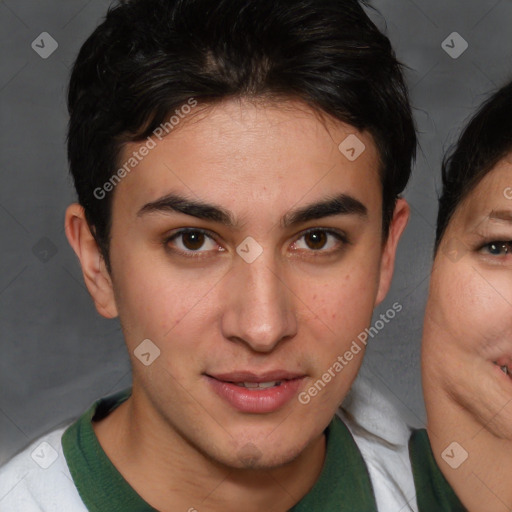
(344, 483)
(433, 492)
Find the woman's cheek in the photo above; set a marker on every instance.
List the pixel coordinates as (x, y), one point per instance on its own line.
(478, 307)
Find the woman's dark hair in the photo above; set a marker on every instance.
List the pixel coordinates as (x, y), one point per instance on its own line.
(149, 57)
(485, 141)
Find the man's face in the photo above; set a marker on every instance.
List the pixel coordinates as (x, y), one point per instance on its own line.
(467, 339)
(265, 300)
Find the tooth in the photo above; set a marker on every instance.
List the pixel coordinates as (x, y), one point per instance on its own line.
(268, 384)
(261, 385)
(504, 369)
(250, 384)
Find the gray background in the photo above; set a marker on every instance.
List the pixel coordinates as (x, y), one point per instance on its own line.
(57, 355)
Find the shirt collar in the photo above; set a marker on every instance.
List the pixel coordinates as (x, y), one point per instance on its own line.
(344, 479)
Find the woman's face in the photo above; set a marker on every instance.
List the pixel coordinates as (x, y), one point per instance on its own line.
(467, 344)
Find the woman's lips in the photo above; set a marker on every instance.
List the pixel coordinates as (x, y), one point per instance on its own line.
(257, 394)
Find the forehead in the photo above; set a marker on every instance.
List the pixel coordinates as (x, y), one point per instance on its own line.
(491, 199)
(272, 154)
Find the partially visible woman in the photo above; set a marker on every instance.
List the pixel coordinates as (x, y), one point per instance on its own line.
(467, 337)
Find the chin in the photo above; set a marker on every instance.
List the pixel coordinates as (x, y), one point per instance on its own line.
(251, 457)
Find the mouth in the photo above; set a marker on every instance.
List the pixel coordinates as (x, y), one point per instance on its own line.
(256, 393)
(259, 385)
(505, 365)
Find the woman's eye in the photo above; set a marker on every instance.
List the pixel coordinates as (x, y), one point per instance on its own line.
(320, 240)
(498, 248)
(191, 241)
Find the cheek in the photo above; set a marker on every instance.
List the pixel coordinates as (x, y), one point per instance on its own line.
(471, 306)
(343, 305)
(155, 300)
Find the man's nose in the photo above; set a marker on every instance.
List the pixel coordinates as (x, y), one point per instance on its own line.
(259, 310)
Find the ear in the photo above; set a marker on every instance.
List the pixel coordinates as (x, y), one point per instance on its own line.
(387, 265)
(96, 277)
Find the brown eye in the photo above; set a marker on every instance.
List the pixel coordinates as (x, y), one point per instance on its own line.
(193, 240)
(316, 239)
(321, 241)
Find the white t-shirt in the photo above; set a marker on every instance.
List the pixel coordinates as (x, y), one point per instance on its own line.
(38, 479)
(382, 437)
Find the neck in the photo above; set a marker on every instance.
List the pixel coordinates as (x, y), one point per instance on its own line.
(170, 474)
(482, 481)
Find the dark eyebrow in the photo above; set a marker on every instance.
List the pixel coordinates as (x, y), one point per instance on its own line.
(199, 209)
(341, 204)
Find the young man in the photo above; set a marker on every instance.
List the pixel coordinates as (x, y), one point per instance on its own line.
(238, 166)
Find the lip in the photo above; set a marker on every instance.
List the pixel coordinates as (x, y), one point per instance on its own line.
(246, 376)
(504, 361)
(257, 401)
